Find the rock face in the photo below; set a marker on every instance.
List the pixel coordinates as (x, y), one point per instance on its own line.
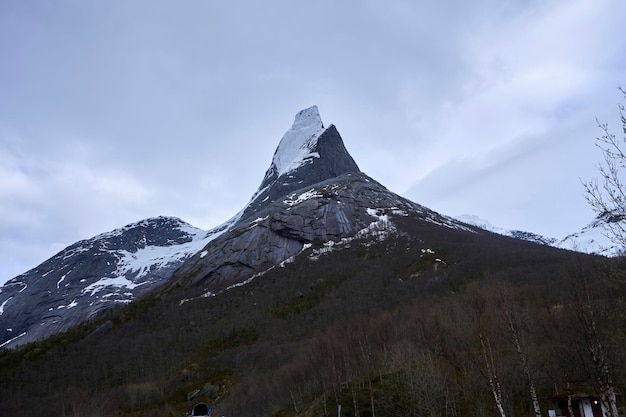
(92, 275)
(326, 211)
(307, 154)
(313, 193)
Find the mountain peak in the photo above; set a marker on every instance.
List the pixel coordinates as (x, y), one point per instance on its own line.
(308, 117)
(307, 154)
(297, 144)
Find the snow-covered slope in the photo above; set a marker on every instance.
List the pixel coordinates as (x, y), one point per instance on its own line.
(92, 275)
(593, 238)
(590, 239)
(307, 154)
(297, 145)
(518, 234)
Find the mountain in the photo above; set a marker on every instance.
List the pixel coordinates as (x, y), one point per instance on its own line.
(312, 193)
(92, 275)
(517, 234)
(592, 239)
(327, 294)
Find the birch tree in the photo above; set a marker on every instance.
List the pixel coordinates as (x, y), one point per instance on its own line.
(512, 324)
(607, 195)
(492, 374)
(477, 308)
(595, 346)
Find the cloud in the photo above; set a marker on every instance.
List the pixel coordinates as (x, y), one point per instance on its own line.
(63, 196)
(535, 81)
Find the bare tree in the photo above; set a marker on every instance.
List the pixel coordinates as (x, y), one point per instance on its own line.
(514, 329)
(477, 309)
(599, 370)
(607, 195)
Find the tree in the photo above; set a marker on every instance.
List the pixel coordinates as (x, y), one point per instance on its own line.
(607, 195)
(599, 369)
(513, 325)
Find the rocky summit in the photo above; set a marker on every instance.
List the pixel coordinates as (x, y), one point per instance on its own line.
(313, 193)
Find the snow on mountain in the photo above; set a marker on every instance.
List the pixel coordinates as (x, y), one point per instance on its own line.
(92, 275)
(518, 234)
(307, 154)
(593, 238)
(590, 239)
(297, 145)
(481, 223)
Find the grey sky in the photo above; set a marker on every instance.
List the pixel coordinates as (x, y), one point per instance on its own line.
(114, 111)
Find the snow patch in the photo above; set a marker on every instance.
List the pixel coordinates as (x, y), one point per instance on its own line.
(297, 144)
(61, 280)
(482, 223)
(398, 212)
(109, 282)
(11, 340)
(292, 200)
(3, 304)
(379, 230)
(591, 239)
(133, 267)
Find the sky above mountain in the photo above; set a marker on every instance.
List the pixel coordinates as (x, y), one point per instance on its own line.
(111, 112)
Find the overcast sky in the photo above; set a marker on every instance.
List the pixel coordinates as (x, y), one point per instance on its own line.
(115, 111)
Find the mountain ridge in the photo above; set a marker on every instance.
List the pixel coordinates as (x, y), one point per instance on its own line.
(594, 238)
